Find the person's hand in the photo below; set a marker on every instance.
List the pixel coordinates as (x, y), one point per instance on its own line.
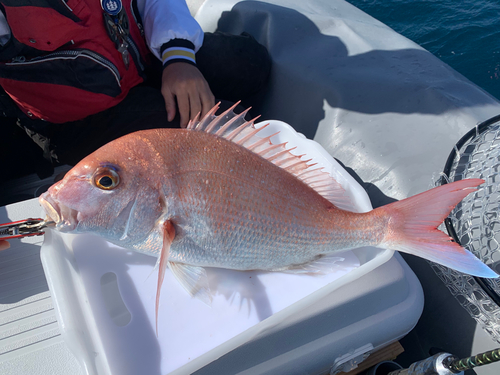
(186, 83)
(4, 245)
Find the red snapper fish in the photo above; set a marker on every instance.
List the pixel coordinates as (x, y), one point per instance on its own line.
(219, 195)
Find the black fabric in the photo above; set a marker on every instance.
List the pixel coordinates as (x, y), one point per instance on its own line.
(87, 73)
(179, 60)
(68, 143)
(20, 156)
(15, 48)
(138, 60)
(143, 108)
(8, 107)
(235, 66)
(177, 43)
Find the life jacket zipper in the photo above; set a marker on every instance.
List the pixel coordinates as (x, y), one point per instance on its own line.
(135, 51)
(135, 55)
(138, 20)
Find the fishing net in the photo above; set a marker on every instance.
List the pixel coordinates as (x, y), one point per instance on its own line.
(475, 222)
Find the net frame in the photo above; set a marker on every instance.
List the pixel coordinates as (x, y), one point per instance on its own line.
(475, 222)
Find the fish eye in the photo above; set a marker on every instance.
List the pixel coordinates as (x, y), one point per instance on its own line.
(106, 178)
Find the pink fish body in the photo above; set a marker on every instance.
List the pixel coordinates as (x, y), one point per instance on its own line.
(218, 195)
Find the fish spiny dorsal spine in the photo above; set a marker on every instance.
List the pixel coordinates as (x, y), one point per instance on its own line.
(235, 128)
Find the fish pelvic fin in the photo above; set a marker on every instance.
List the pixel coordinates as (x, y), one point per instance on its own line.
(235, 128)
(168, 237)
(413, 223)
(194, 279)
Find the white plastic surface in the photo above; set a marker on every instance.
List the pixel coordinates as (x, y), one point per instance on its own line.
(109, 338)
(30, 338)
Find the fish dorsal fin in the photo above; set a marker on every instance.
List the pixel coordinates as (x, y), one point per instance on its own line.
(235, 128)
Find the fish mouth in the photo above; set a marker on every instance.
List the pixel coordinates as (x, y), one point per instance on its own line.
(64, 217)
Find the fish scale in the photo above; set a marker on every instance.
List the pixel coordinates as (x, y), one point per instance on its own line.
(279, 203)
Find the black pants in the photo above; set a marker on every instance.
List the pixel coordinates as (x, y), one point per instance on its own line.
(236, 67)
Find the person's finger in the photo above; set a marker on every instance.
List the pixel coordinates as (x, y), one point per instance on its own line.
(169, 103)
(183, 105)
(195, 104)
(207, 102)
(4, 245)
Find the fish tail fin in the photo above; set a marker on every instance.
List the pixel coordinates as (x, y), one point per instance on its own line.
(413, 228)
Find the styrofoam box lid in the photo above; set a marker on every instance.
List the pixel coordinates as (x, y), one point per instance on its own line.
(105, 295)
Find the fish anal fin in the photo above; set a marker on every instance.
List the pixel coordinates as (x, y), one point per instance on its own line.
(168, 236)
(324, 264)
(194, 279)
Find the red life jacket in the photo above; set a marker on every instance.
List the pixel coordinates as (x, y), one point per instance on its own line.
(61, 65)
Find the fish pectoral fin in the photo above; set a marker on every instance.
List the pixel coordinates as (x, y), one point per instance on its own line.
(324, 264)
(194, 279)
(168, 237)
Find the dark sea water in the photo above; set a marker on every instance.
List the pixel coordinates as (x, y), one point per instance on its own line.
(465, 34)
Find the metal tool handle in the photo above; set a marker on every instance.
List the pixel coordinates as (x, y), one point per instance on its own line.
(23, 228)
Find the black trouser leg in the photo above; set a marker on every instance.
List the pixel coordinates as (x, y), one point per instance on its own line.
(235, 66)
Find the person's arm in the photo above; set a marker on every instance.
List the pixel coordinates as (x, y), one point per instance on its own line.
(174, 36)
(4, 245)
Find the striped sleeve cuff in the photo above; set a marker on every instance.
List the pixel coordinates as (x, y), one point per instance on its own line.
(177, 50)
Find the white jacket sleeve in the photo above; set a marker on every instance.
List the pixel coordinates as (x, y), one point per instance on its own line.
(166, 20)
